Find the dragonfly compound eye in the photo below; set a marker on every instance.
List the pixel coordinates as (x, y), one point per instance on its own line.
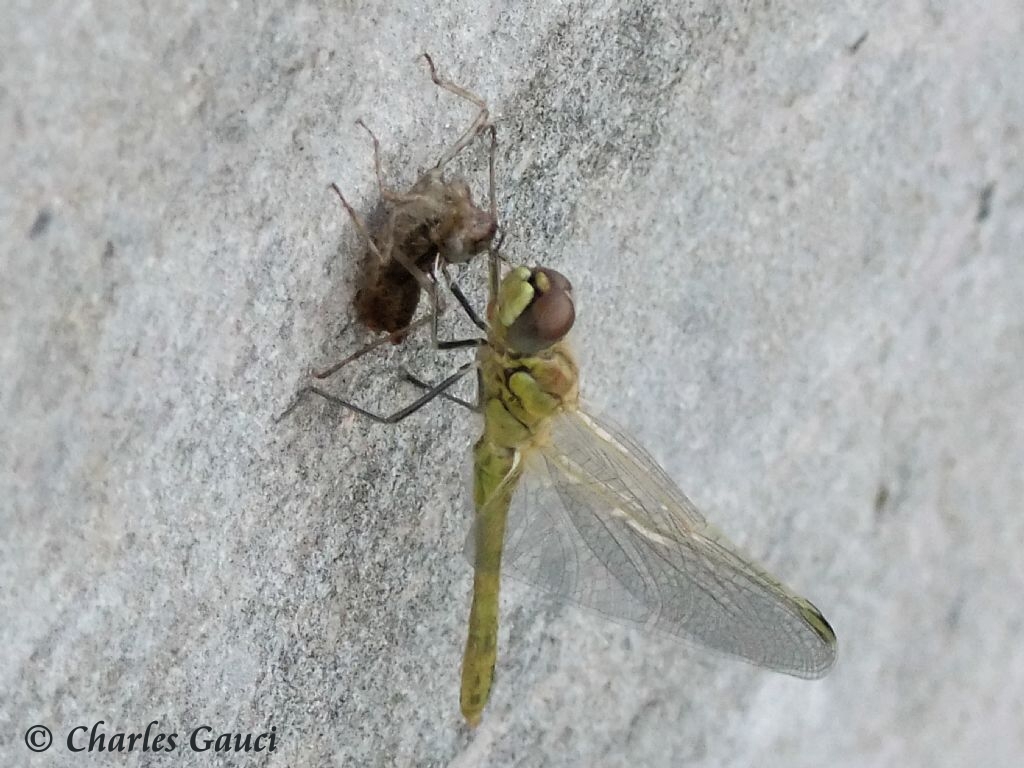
(549, 315)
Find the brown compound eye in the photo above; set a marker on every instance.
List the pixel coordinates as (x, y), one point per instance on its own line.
(550, 315)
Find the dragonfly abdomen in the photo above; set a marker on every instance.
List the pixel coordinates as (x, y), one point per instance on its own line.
(495, 469)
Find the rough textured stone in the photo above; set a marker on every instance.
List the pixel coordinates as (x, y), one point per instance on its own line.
(795, 236)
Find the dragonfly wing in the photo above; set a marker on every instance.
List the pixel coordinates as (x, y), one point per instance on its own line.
(544, 548)
(598, 523)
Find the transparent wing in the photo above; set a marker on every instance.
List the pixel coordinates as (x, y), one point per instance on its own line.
(597, 522)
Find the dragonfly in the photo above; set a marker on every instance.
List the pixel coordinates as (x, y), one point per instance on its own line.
(567, 501)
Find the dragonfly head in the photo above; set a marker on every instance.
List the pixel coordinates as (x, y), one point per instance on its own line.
(534, 308)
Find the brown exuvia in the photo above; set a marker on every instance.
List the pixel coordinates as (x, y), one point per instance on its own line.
(434, 224)
(437, 222)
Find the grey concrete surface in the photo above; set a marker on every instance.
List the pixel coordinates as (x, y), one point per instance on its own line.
(795, 235)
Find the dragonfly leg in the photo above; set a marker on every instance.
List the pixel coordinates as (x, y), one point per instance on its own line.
(492, 153)
(435, 311)
(326, 373)
(392, 418)
(494, 247)
(408, 376)
(461, 298)
(478, 124)
(413, 326)
(444, 345)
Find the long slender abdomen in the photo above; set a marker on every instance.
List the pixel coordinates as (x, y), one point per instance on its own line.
(494, 476)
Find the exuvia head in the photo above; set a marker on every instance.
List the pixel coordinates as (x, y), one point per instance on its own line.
(535, 308)
(471, 228)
